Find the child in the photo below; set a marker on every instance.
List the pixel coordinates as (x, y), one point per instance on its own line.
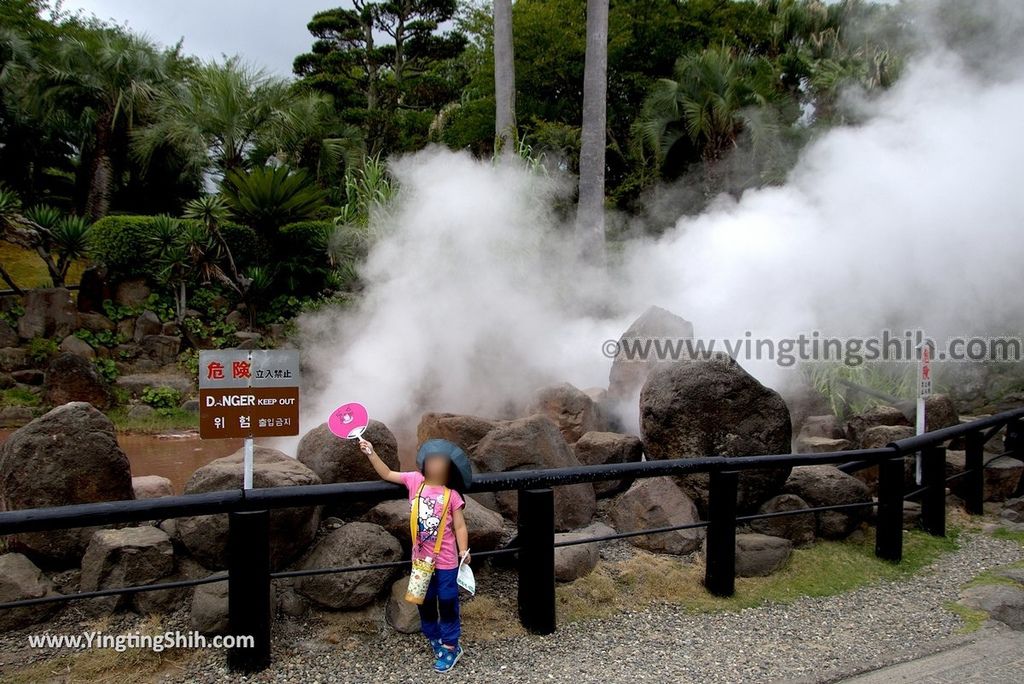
(439, 613)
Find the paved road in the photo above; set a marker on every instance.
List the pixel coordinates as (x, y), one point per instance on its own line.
(995, 655)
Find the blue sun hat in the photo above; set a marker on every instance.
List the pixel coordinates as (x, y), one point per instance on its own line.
(460, 475)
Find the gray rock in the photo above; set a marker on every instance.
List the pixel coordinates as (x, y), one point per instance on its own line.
(714, 408)
(799, 528)
(760, 555)
(49, 312)
(357, 543)
(237, 319)
(463, 431)
(76, 345)
(13, 359)
(1002, 475)
(821, 445)
(600, 448)
(71, 378)
(911, 515)
(32, 377)
(880, 436)
(124, 557)
(657, 502)
(147, 323)
(939, 412)
(535, 442)
(631, 365)
(95, 322)
(151, 487)
(485, 527)
(291, 529)
(1002, 602)
(67, 456)
(169, 600)
(210, 608)
(136, 384)
(162, 349)
(131, 293)
(190, 406)
(340, 460)
(20, 579)
(15, 416)
(878, 415)
(827, 426)
(579, 560)
(8, 335)
(141, 411)
(570, 409)
(825, 485)
(404, 617)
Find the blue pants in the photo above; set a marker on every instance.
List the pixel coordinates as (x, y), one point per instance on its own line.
(439, 613)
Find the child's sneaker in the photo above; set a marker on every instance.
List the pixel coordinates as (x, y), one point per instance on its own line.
(436, 647)
(446, 661)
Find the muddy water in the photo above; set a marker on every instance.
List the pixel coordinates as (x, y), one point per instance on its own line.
(172, 456)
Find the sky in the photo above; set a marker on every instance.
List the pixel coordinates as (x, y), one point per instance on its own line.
(265, 34)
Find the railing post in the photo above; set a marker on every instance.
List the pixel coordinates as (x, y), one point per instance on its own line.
(249, 588)
(720, 556)
(974, 479)
(537, 560)
(889, 517)
(933, 499)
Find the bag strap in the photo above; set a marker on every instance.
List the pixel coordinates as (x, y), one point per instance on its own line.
(414, 515)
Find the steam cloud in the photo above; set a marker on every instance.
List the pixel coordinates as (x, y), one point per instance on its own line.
(910, 219)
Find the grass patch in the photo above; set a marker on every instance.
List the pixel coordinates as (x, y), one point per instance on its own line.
(19, 396)
(992, 576)
(102, 665)
(824, 569)
(972, 618)
(1012, 535)
(490, 617)
(161, 421)
(28, 270)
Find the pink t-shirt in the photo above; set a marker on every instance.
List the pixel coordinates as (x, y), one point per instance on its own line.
(431, 506)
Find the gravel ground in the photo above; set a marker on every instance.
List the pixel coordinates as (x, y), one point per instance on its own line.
(810, 640)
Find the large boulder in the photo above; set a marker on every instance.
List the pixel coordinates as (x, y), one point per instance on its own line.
(821, 445)
(152, 487)
(73, 344)
(209, 613)
(570, 409)
(880, 436)
(658, 502)
(485, 527)
(798, 528)
(357, 543)
(8, 335)
(131, 294)
(73, 378)
(161, 349)
(877, 415)
(939, 412)
(715, 408)
(147, 323)
(531, 443)
(14, 359)
(825, 485)
(602, 448)
(404, 617)
(49, 312)
(1002, 475)
(138, 383)
(1002, 601)
(760, 555)
(291, 529)
(67, 456)
(827, 426)
(638, 351)
(20, 579)
(125, 557)
(578, 560)
(340, 460)
(463, 431)
(95, 322)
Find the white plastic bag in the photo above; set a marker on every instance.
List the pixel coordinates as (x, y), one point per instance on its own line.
(465, 578)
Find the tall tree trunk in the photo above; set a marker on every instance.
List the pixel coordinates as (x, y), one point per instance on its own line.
(504, 78)
(101, 175)
(590, 211)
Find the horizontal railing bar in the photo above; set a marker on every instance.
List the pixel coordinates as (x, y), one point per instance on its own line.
(936, 437)
(632, 533)
(115, 512)
(798, 511)
(101, 593)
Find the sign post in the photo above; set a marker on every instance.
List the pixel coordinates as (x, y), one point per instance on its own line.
(924, 390)
(248, 394)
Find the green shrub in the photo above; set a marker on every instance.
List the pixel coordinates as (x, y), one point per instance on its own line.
(42, 349)
(303, 266)
(106, 368)
(119, 242)
(248, 247)
(161, 397)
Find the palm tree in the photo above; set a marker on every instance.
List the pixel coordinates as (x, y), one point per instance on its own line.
(267, 198)
(504, 77)
(590, 211)
(110, 75)
(707, 103)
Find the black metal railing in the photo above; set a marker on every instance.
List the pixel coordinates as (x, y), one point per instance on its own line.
(249, 574)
